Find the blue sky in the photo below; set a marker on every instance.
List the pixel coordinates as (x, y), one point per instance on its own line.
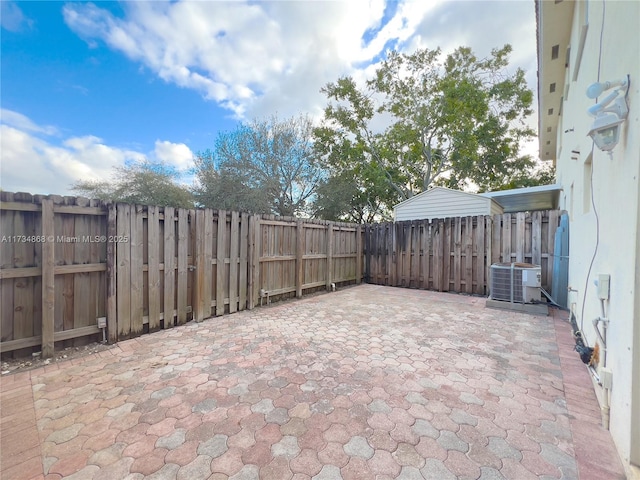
(88, 91)
(86, 87)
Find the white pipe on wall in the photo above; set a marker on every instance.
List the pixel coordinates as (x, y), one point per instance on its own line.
(602, 337)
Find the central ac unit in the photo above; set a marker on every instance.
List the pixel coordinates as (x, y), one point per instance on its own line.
(515, 282)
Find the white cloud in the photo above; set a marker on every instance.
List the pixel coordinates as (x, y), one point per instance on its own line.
(260, 57)
(34, 164)
(22, 122)
(12, 18)
(31, 164)
(252, 58)
(177, 155)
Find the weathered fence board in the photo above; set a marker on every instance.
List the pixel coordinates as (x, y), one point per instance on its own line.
(234, 260)
(153, 267)
(506, 238)
(182, 284)
(243, 261)
(6, 284)
(123, 273)
(112, 303)
(478, 251)
(48, 280)
(136, 245)
(169, 266)
(552, 225)
(446, 254)
(221, 241)
(536, 238)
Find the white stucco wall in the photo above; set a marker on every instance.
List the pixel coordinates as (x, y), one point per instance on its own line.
(613, 236)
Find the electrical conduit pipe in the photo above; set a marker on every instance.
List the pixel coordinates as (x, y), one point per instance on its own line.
(602, 337)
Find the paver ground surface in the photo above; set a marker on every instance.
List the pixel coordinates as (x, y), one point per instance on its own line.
(365, 383)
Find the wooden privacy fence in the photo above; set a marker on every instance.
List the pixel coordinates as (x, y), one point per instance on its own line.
(455, 254)
(51, 287)
(66, 262)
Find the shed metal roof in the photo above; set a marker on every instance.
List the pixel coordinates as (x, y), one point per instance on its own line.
(543, 197)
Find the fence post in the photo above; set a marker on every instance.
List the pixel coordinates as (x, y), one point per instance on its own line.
(251, 301)
(257, 250)
(398, 245)
(481, 281)
(367, 253)
(207, 262)
(457, 254)
(438, 259)
(153, 266)
(234, 257)
(358, 255)
(198, 287)
(123, 252)
(169, 265)
(329, 255)
(48, 283)
(536, 238)
(389, 234)
(468, 246)
(220, 268)
(554, 218)
(135, 242)
(490, 250)
(299, 257)
(425, 242)
(183, 247)
(506, 237)
(520, 236)
(244, 243)
(112, 292)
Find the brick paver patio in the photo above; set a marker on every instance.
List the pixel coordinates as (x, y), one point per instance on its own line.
(366, 383)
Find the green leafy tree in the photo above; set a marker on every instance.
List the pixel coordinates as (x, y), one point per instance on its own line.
(224, 189)
(357, 189)
(143, 183)
(267, 166)
(539, 175)
(454, 122)
(352, 196)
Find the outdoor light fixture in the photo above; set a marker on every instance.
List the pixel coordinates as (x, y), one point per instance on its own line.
(609, 113)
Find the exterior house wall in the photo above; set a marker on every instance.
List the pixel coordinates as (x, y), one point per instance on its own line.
(601, 195)
(440, 202)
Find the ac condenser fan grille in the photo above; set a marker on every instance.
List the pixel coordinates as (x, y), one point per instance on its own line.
(507, 281)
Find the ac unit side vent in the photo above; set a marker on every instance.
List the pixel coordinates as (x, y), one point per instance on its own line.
(515, 282)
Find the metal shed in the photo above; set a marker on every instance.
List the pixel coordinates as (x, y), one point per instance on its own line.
(441, 202)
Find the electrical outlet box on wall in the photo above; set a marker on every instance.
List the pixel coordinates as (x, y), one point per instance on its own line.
(606, 377)
(604, 281)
